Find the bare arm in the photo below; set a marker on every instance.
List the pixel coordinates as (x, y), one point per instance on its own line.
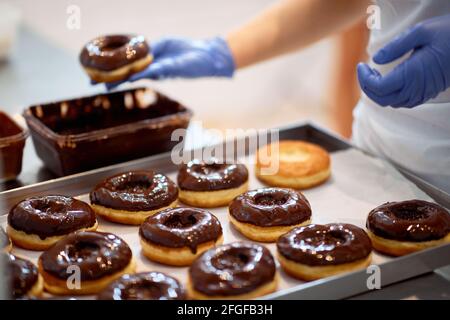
(290, 25)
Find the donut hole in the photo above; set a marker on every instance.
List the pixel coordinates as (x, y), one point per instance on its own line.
(114, 44)
(82, 250)
(335, 236)
(268, 200)
(144, 291)
(231, 260)
(135, 185)
(410, 212)
(49, 206)
(180, 221)
(209, 168)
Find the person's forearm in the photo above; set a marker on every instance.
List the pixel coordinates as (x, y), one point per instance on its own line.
(290, 25)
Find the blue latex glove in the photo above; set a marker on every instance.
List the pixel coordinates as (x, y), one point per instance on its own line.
(422, 76)
(185, 58)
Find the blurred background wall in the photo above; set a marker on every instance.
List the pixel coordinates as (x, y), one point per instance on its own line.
(292, 88)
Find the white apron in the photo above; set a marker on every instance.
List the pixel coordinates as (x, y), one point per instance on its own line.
(416, 139)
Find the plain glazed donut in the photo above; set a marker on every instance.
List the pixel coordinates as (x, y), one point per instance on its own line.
(399, 228)
(144, 286)
(267, 213)
(299, 164)
(39, 222)
(99, 257)
(239, 270)
(211, 184)
(177, 236)
(115, 57)
(318, 251)
(131, 197)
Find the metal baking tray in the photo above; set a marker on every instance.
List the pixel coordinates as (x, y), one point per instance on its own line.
(337, 287)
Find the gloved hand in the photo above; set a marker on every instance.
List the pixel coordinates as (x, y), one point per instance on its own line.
(422, 76)
(185, 58)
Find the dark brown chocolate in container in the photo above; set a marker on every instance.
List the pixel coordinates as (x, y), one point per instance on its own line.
(199, 175)
(144, 286)
(97, 254)
(269, 207)
(51, 215)
(412, 220)
(85, 133)
(181, 227)
(232, 269)
(12, 142)
(322, 245)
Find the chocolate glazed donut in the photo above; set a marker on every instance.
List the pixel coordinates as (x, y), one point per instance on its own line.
(144, 286)
(413, 220)
(181, 227)
(50, 216)
(135, 191)
(211, 184)
(399, 228)
(269, 207)
(318, 251)
(201, 176)
(22, 276)
(321, 245)
(97, 254)
(112, 52)
(235, 270)
(267, 213)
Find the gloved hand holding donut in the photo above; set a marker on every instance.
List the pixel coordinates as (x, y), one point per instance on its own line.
(184, 58)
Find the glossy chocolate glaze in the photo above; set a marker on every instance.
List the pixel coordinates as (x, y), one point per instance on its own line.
(268, 207)
(97, 254)
(135, 191)
(144, 286)
(232, 269)
(111, 52)
(201, 176)
(321, 245)
(181, 227)
(412, 220)
(21, 275)
(52, 215)
(4, 239)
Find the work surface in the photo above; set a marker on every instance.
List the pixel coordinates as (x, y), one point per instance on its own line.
(19, 89)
